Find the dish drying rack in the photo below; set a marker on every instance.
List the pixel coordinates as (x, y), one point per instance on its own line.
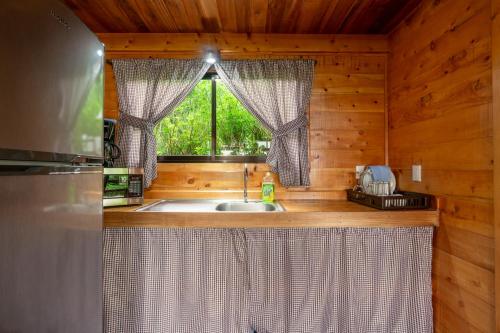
(401, 200)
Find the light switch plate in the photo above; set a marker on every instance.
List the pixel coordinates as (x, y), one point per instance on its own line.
(416, 173)
(359, 170)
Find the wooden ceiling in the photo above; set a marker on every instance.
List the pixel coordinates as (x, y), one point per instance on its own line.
(243, 16)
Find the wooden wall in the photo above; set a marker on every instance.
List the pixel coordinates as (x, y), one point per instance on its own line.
(440, 116)
(346, 119)
(495, 37)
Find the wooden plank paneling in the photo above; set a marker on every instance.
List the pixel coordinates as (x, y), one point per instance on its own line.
(474, 154)
(346, 111)
(495, 8)
(440, 116)
(210, 16)
(228, 43)
(349, 64)
(345, 158)
(461, 273)
(229, 176)
(470, 215)
(347, 121)
(471, 247)
(258, 15)
(348, 102)
(111, 107)
(460, 183)
(437, 21)
(348, 83)
(449, 321)
(345, 139)
(465, 305)
(465, 123)
(242, 16)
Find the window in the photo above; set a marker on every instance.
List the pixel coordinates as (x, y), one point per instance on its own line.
(211, 125)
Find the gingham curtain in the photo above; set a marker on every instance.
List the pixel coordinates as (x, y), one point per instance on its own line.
(148, 90)
(343, 280)
(277, 93)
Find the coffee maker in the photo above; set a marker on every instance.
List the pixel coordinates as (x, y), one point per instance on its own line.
(111, 150)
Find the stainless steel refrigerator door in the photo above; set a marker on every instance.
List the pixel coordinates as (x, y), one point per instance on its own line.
(51, 80)
(51, 253)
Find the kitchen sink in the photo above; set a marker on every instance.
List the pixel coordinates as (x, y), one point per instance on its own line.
(197, 205)
(240, 206)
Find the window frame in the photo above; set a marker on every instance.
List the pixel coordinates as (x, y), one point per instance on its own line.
(212, 76)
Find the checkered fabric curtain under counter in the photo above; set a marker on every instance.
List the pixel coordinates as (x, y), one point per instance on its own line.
(345, 280)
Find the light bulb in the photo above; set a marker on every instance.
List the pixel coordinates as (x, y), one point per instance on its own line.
(210, 58)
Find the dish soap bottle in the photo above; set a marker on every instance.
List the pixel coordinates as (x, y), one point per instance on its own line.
(268, 188)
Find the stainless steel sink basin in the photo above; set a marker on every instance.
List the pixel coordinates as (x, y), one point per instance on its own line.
(197, 205)
(182, 205)
(240, 206)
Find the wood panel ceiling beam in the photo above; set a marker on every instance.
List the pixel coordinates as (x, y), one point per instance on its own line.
(228, 43)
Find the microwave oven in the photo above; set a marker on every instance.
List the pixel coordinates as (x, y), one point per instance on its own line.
(123, 186)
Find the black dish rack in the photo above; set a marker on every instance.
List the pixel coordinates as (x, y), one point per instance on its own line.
(398, 201)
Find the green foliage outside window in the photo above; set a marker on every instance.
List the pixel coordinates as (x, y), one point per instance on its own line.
(188, 130)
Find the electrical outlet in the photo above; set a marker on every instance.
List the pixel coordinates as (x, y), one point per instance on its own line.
(416, 173)
(359, 170)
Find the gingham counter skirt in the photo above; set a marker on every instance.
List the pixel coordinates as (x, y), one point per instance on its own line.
(345, 280)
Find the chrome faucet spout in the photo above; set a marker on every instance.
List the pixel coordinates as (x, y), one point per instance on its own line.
(245, 182)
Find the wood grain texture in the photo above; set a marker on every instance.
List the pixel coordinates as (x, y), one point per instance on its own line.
(190, 44)
(346, 115)
(298, 214)
(496, 144)
(242, 16)
(440, 116)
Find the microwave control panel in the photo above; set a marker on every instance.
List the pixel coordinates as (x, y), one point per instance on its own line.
(134, 186)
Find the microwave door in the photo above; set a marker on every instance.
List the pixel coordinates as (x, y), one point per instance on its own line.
(122, 186)
(115, 186)
(115, 192)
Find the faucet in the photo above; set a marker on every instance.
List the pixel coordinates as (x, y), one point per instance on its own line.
(245, 181)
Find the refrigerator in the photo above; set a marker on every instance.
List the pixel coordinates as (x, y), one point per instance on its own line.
(51, 105)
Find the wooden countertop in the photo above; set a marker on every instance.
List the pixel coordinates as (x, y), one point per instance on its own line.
(298, 214)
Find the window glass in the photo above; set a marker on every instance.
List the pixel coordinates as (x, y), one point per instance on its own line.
(187, 131)
(238, 131)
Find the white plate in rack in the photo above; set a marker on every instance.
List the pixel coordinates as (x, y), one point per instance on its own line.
(366, 178)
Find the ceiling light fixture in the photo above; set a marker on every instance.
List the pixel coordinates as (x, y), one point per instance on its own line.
(211, 57)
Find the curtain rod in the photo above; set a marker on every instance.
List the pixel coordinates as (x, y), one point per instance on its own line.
(111, 63)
